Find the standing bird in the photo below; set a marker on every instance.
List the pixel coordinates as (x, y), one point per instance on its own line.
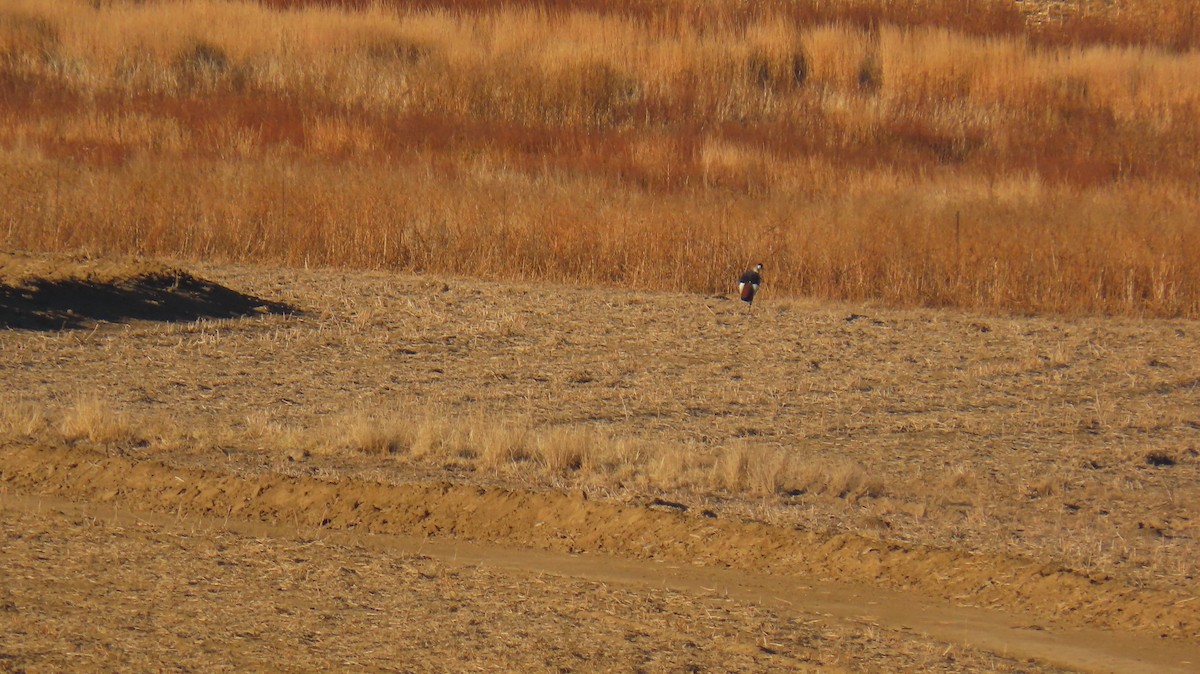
(748, 284)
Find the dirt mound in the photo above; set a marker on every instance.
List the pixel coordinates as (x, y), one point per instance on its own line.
(42, 292)
(570, 522)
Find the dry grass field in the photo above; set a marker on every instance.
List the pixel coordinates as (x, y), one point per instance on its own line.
(1029, 156)
(661, 481)
(388, 335)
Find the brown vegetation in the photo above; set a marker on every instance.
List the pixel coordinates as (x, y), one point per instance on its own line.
(935, 153)
(1045, 467)
(1060, 440)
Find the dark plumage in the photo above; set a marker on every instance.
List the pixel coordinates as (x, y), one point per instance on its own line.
(748, 284)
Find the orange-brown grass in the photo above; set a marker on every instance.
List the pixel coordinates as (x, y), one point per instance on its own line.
(915, 152)
(1174, 24)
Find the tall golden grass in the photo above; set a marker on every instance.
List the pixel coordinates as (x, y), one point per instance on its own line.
(563, 456)
(938, 153)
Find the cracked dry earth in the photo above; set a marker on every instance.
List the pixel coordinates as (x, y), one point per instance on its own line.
(1030, 499)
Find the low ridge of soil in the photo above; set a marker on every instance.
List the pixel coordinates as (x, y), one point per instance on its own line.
(553, 520)
(1043, 467)
(60, 292)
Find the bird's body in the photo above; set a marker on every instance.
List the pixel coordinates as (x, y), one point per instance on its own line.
(748, 284)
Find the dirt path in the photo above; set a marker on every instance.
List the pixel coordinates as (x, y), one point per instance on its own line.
(98, 588)
(141, 494)
(804, 600)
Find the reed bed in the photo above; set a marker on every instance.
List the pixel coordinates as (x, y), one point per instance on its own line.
(917, 153)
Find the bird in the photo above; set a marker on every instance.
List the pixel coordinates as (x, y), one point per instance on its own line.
(748, 284)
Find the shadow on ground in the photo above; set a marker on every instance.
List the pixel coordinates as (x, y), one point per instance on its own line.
(77, 303)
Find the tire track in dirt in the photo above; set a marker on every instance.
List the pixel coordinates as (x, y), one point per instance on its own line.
(691, 553)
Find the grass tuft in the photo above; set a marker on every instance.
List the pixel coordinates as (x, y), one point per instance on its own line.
(94, 420)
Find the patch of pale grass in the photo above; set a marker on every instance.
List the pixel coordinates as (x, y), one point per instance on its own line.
(1047, 486)
(960, 478)
(843, 479)
(731, 469)
(749, 469)
(433, 438)
(23, 419)
(270, 434)
(500, 445)
(571, 454)
(368, 435)
(503, 443)
(753, 469)
(430, 436)
(561, 451)
(93, 419)
(766, 472)
(617, 460)
(851, 481)
(669, 469)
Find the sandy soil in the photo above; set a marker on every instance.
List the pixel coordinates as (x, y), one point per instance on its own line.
(1040, 470)
(95, 589)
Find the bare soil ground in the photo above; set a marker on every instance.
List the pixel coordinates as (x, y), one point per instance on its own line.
(963, 492)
